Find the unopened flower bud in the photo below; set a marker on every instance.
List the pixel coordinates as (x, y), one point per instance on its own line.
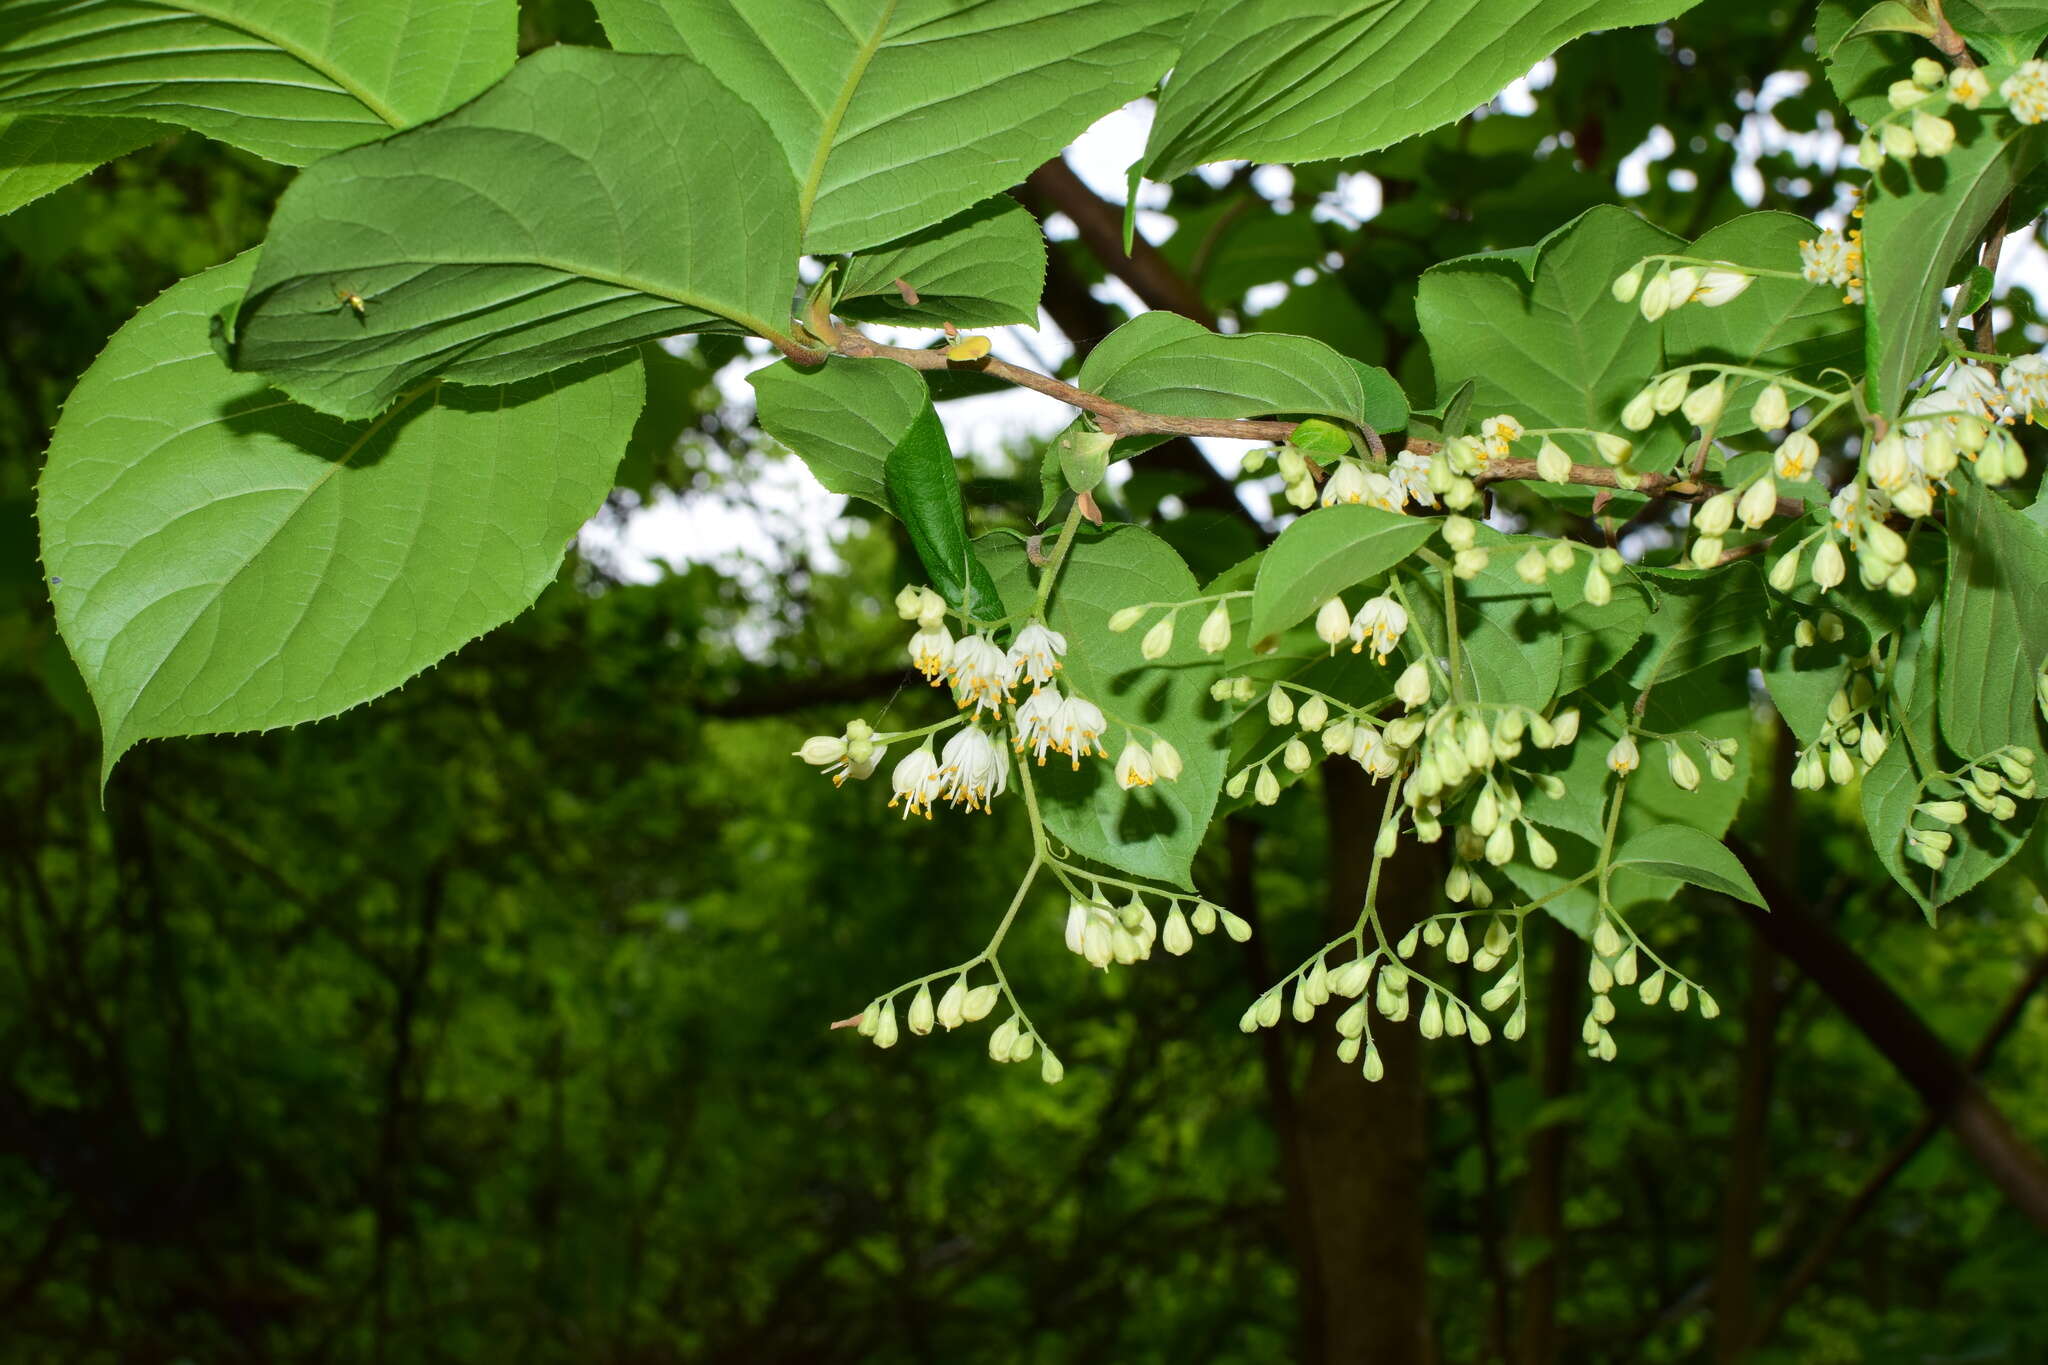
(1670, 392)
(1683, 771)
(1599, 592)
(979, 1002)
(1627, 283)
(1126, 617)
(1159, 639)
(1702, 407)
(1266, 787)
(1641, 411)
(1552, 463)
(1413, 687)
(1716, 514)
(1759, 503)
(1314, 713)
(1772, 408)
(1333, 623)
(1214, 637)
(920, 1015)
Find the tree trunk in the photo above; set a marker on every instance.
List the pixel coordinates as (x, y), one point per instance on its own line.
(1542, 1217)
(1364, 1145)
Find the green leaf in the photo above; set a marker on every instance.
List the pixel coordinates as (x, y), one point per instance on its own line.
(1304, 80)
(1324, 553)
(1152, 832)
(1918, 220)
(1686, 854)
(1509, 646)
(1162, 362)
(224, 560)
(1591, 640)
(1386, 405)
(984, 267)
(1894, 786)
(291, 80)
(1994, 634)
(2005, 31)
(1701, 617)
(1556, 350)
(1785, 326)
(587, 202)
(38, 155)
(925, 491)
(896, 114)
(1864, 50)
(842, 418)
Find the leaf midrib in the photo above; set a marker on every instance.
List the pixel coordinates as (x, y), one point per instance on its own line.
(312, 490)
(325, 68)
(807, 193)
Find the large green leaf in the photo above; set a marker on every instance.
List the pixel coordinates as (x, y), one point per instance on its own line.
(896, 114)
(924, 490)
(1994, 634)
(1303, 80)
(291, 80)
(1552, 347)
(1325, 553)
(1919, 218)
(1785, 326)
(981, 268)
(222, 559)
(1162, 362)
(38, 154)
(1688, 855)
(1702, 616)
(587, 202)
(1861, 56)
(1152, 832)
(841, 418)
(1591, 639)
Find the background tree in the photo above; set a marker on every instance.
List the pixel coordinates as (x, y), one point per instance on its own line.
(494, 1014)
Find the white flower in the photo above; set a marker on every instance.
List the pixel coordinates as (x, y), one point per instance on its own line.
(1382, 492)
(1409, 474)
(1077, 730)
(981, 673)
(1035, 721)
(1795, 458)
(1717, 287)
(1091, 932)
(975, 769)
(1133, 766)
(1381, 621)
(1035, 653)
(2026, 92)
(2026, 385)
(1624, 757)
(916, 783)
(1346, 485)
(1498, 434)
(1370, 750)
(930, 648)
(1967, 86)
(1832, 258)
(1333, 623)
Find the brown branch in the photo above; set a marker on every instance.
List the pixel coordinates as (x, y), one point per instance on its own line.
(1101, 227)
(1951, 1094)
(1994, 242)
(1830, 1238)
(1679, 486)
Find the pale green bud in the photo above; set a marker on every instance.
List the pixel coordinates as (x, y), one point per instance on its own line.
(1641, 410)
(1652, 987)
(1612, 448)
(1255, 460)
(953, 1004)
(1600, 976)
(1683, 771)
(1458, 532)
(979, 1003)
(1269, 1009)
(1702, 407)
(1899, 142)
(1933, 136)
(1772, 409)
(1374, 1067)
(1204, 918)
(1351, 979)
(1759, 503)
(1706, 551)
(1670, 392)
(1456, 946)
(1234, 788)
(1431, 1022)
(1265, 787)
(1627, 283)
(1552, 463)
(1599, 592)
(1469, 563)
(1607, 942)
(1244, 689)
(1602, 1010)
(1303, 1009)
(1531, 568)
(1021, 1050)
(870, 1019)
(1681, 996)
(1239, 930)
(1625, 967)
(1785, 573)
(1214, 637)
(1333, 623)
(1413, 686)
(1296, 757)
(1559, 556)
(1716, 515)
(1828, 568)
(1050, 1070)
(1159, 639)
(1279, 707)
(1542, 853)
(885, 1026)
(1126, 617)
(920, 1015)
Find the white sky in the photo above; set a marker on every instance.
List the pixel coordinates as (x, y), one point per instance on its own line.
(707, 528)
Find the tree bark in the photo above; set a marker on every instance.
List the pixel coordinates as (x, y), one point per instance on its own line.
(1542, 1216)
(1365, 1145)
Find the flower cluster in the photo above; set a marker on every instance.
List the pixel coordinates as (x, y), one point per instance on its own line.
(1914, 126)
(1853, 737)
(1617, 960)
(1710, 285)
(2025, 92)
(1103, 934)
(1833, 258)
(1390, 485)
(1994, 784)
